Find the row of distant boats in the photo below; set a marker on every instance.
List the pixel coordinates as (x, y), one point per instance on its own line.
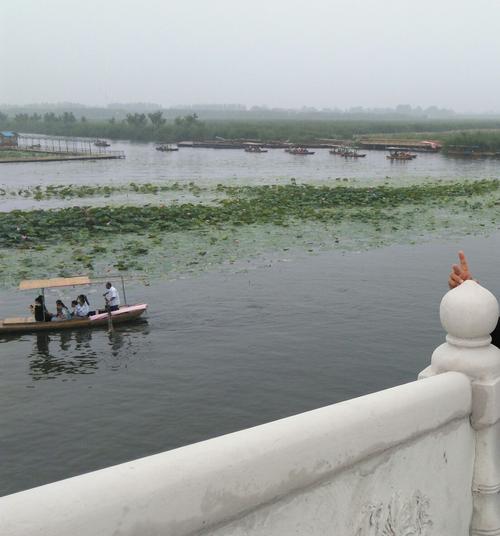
(395, 153)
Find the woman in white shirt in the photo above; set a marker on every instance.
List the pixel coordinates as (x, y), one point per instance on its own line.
(82, 307)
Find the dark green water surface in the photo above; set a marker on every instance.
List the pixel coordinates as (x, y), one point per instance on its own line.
(222, 351)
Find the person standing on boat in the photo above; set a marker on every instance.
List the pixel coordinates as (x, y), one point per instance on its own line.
(112, 298)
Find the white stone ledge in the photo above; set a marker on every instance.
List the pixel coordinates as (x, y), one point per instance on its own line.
(189, 489)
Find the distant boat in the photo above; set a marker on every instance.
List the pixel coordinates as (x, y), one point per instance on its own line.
(400, 154)
(299, 150)
(354, 154)
(101, 143)
(250, 148)
(167, 148)
(337, 149)
(347, 152)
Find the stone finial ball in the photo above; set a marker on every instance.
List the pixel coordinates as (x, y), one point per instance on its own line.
(469, 311)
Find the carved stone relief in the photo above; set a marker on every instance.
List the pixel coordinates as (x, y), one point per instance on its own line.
(397, 517)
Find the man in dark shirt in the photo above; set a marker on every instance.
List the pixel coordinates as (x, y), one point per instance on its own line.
(40, 311)
(460, 273)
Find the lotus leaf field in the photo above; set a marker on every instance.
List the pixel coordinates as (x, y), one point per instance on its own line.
(70, 191)
(238, 224)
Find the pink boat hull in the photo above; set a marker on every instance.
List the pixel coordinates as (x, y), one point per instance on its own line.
(126, 313)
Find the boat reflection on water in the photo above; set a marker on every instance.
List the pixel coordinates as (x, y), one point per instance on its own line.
(82, 351)
(62, 353)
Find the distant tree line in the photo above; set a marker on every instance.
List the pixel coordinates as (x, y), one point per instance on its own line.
(136, 126)
(481, 140)
(153, 126)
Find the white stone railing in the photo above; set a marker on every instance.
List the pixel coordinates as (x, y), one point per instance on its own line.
(469, 314)
(404, 461)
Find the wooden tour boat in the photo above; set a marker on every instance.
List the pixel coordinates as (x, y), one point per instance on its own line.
(101, 143)
(125, 313)
(167, 148)
(346, 152)
(299, 150)
(337, 150)
(400, 154)
(254, 148)
(354, 154)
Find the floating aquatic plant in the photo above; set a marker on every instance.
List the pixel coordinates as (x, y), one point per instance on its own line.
(248, 220)
(70, 191)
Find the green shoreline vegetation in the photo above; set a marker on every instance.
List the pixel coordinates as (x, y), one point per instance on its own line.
(156, 128)
(484, 141)
(250, 220)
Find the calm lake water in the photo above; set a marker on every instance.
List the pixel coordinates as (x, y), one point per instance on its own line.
(209, 166)
(225, 350)
(221, 352)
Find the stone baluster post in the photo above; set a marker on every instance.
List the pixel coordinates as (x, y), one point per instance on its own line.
(469, 313)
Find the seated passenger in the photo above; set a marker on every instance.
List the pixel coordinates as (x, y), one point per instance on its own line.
(39, 311)
(62, 312)
(82, 307)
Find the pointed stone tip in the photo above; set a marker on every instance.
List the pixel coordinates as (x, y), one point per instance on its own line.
(469, 311)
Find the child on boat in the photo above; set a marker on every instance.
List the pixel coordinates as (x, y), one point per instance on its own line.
(62, 312)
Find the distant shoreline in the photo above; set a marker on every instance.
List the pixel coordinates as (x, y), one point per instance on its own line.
(139, 127)
(56, 158)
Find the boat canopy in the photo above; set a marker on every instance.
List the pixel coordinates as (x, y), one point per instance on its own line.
(30, 284)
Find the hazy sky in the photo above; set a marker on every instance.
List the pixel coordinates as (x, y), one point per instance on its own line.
(323, 53)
